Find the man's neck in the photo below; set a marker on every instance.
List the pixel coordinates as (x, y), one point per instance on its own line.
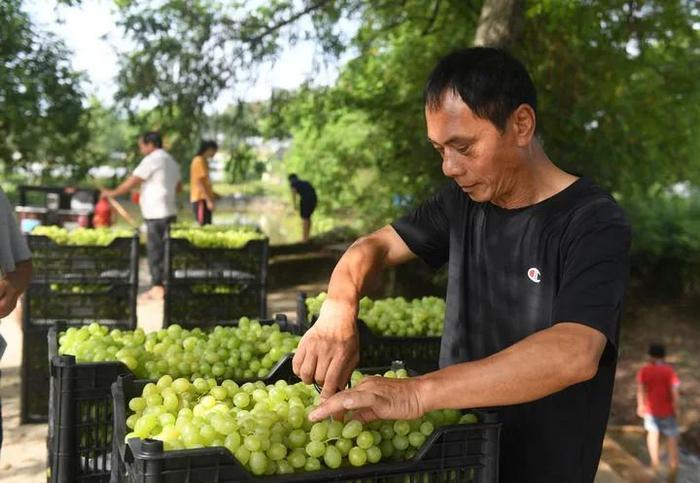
(538, 180)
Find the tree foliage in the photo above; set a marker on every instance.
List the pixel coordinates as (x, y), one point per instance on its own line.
(616, 87)
(42, 117)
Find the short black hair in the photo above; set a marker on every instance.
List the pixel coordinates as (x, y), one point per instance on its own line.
(152, 137)
(657, 350)
(489, 80)
(292, 177)
(207, 144)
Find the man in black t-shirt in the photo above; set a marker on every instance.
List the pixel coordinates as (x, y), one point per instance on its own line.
(307, 202)
(537, 261)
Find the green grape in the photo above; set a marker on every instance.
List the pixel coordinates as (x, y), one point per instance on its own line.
(137, 404)
(374, 454)
(352, 429)
(258, 463)
(400, 442)
(343, 446)
(315, 449)
(365, 439)
(319, 431)
(297, 438)
(284, 468)
(252, 442)
(469, 418)
(297, 458)
(332, 457)
(277, 452)
(335, 430)
(242, 454)
(312, 464)
(232, 442)
(416, 439)
(427, 428)
(402, 428)
(357, 456)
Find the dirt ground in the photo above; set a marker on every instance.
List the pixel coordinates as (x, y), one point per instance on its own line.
(23, 455)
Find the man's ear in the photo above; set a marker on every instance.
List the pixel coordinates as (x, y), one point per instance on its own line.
(523, 122)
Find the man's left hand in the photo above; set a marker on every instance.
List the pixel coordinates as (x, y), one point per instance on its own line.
(8, 297)
(105, 193)
(375, 398)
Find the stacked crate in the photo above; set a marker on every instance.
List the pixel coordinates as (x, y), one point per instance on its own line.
(78, 285)
(209, 286)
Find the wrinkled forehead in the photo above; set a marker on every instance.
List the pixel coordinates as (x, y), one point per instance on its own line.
(452, 118)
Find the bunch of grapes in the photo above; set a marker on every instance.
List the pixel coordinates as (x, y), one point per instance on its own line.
(217, 238)
(247, 351)
(82, 288)
(395, 316)
(267, 429)
(81, 236)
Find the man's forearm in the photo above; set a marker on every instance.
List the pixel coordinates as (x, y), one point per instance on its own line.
(360, 263)
(130, 183)
(539, 365)
(22, 276)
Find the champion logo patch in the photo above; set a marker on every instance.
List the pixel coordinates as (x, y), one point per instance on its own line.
(534, 274)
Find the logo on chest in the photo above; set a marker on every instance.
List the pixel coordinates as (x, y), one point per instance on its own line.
(534, 275)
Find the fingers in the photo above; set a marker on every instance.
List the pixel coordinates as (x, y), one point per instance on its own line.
(322, 364)
(334, 380)
(298, 358)
(308, 368)
(349, 400)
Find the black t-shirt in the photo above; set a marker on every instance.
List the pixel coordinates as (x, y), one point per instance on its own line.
(306, 191)
(515, 272)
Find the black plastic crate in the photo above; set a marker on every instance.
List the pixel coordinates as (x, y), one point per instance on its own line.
(196, 304)
(80, 410)
(457, 453)
(208, 286)
(45, 304)
(35, 373)
(185, 261)
(116, 263)
(421, 353)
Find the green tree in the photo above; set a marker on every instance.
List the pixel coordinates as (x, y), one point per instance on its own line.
(42, 117)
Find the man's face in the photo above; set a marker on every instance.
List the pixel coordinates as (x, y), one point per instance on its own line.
(146, 148)
(475, 154)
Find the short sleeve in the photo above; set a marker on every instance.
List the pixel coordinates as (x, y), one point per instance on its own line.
(13, 245)
(675, 380)
(640, 376)
(145, 168)
(595, 270)
(426, 230)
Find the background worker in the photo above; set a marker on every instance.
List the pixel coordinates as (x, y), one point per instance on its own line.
(158, 175)
(307, 203)
(202, 195)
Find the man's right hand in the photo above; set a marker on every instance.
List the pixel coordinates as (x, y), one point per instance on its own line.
(329, 351)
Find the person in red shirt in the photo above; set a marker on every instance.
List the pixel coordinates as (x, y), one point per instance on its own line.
(657, 403)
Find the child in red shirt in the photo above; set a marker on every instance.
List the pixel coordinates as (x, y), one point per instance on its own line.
(657, 403)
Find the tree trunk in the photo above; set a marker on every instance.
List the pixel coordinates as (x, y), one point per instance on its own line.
(500, 23)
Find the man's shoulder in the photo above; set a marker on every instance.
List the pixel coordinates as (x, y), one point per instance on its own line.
(590, 205)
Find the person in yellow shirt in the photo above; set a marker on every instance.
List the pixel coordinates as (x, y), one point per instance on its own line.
(202, 195)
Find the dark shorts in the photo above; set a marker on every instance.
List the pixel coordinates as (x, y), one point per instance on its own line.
(307, 207)
(201, 213)
(666, 426)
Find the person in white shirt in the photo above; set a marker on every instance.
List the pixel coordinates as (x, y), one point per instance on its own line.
(15, 267)
(158, 174)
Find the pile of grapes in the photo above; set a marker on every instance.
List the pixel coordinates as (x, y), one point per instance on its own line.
(217, 238)
(267, 428)
(82, 236)
(395, 316)
(244, 352)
